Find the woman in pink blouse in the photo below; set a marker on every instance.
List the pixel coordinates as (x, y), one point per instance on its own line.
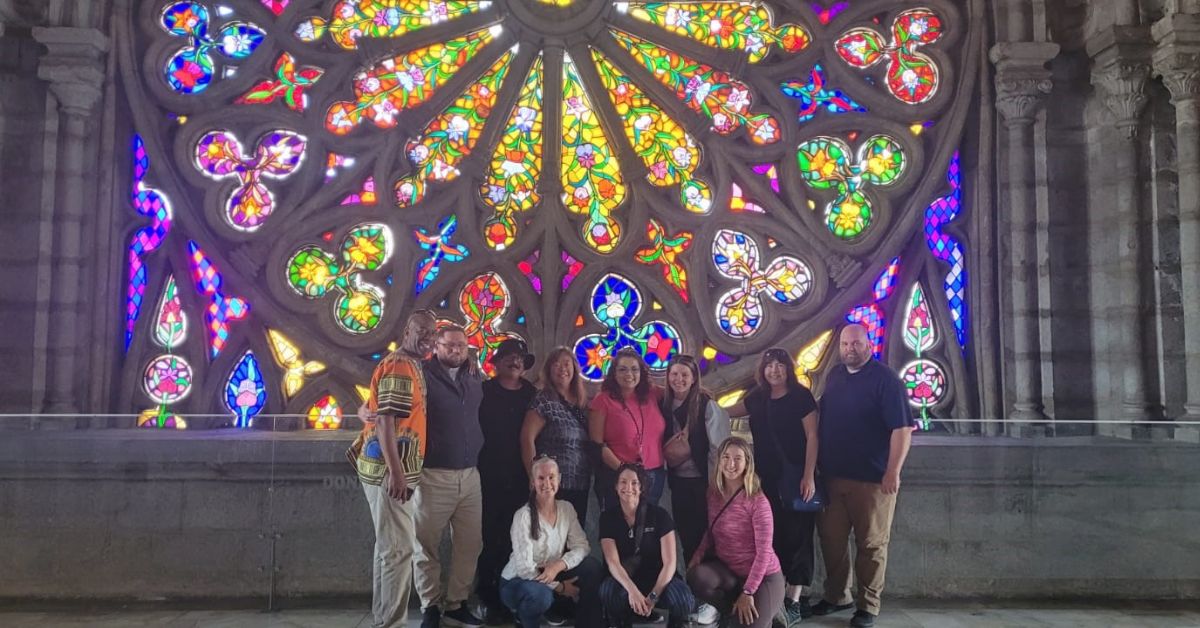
(744, 578)
(625, 423)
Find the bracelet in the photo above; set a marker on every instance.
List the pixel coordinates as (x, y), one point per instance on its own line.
(747, 592)
(652, 597)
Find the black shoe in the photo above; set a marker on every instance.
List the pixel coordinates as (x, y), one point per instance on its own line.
(795, 612)
(655, 618)
(554, 618)
(499, 616)
(862, 619)
(431, 617)
(463, 617)
(824, 607)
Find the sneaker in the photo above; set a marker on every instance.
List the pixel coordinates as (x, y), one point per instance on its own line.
(705, 614)
(824, 607)
(554, 618)
(498, 616)
(655, 618)
(793, 613)
(862, 619)
(431, 617)
(463, 617)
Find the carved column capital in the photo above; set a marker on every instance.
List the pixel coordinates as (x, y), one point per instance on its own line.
(1121, 72)
(74, 67)
(1177, 57)
(1022, 80)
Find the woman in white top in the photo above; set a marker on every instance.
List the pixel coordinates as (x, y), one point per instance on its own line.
(550, 556)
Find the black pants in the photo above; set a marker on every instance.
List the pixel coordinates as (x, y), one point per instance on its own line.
(499, 504)
(677, 598)
(689, 509)
(794, 542)
(579, 499)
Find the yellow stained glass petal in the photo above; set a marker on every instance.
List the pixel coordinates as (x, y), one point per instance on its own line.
(295, 369)
(743, 26)
(809, 357)
(511, 184)
(591, 178)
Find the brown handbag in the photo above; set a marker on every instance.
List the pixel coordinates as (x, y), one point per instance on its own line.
(677, 449)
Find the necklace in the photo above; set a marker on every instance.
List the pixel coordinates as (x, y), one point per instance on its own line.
(639, 429)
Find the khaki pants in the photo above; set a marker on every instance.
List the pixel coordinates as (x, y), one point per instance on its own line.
(391, 567)
(863, 508)
(447, 496)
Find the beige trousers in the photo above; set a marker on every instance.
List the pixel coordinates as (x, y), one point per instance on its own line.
(447, 496)
(391, 567)
(865, 509)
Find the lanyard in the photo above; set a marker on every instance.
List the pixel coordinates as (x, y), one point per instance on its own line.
(639, 430)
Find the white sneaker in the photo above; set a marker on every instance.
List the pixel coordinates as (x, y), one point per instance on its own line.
(705, 614)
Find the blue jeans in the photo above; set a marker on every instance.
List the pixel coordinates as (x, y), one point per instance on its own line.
(677, 598)
(530, 599)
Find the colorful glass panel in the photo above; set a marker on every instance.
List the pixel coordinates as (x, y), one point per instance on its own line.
(277, 155)
(440, 250)
(725, 100)
(245, 391)
(290, 84)
(947, 248)
(771, 173)
(826, 163)
(221, 309)
(925, 384)
(511, 184)
(325, 414)
(670, 153)
(739, 203)
(527, 268)
(871, 315)
(826, 13)
(170, 327)
(616, 304)
(814, 96)
(353, 20)
(809, 357)
(665, 250)
(736, 256)
(153, 204)
(295, 368)
(574, 267)
(591, 178)
(483, 302)
(740, 26)
(312, 273)
(365, 194)
(398, 83)
(168, 379)
(920, 334)
(451, 136)
(190, 68)
(912, 77)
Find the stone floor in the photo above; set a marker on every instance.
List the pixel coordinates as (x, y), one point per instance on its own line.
(899, 614)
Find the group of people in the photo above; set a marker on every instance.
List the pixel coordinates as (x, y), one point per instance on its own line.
(507, 467)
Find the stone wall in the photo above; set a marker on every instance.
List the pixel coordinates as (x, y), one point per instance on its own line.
(205, 515)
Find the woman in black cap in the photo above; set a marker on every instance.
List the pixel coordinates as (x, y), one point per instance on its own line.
(505, 484)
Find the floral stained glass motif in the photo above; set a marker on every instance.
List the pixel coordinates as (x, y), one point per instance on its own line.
(483, 302)
(277, 155)
(912, 77)
(809, 357)
(591, 178)
(574, 267)
(920, 335)
(170, 326)
(947, 248)
(290, 84)
(190, 69)
(827, 163)
(925, 384)
(616, 304)
(168, 379)
(725, 100)
(815, 96)
(153, 204)
(512, 177)
(398, 83)
(871, 315)
(312, 273)
(736, 256)
(382, 19)
(436, 154)
(742, 26)
(440, 250)
(295, 368)
(325, 414)
(669, 152)
(665, 250)
(245, 391)
(221, 309)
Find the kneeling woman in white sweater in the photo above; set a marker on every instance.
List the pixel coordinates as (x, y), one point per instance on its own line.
(550, 556)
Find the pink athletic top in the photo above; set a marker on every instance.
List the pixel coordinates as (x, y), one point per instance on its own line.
(630, 424)
(743, 537)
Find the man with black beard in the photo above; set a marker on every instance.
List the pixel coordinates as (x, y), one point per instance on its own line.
(449, 492)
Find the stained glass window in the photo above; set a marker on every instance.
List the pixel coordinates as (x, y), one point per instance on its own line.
(711, 178)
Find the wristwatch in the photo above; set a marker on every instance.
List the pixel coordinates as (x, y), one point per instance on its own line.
(652, 597)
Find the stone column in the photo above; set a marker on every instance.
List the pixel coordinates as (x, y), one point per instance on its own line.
(74, 68)
(1177, 60)
(1022, 83)
(1121, 69)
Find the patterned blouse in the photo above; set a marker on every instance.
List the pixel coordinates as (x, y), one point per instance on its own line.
(565, 438)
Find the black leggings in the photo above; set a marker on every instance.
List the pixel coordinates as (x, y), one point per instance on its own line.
(794, 541)
(689, 509)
